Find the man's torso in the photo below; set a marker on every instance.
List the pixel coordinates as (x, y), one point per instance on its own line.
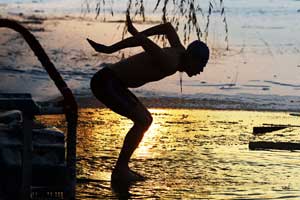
(142, 68)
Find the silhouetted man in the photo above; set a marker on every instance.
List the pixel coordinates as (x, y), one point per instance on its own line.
(110, 84)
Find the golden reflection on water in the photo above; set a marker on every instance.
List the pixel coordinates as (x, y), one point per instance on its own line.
(188, 154)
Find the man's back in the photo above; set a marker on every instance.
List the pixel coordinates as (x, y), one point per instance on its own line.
(142, 68)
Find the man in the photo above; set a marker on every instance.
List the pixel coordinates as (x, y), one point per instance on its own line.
(110, 84)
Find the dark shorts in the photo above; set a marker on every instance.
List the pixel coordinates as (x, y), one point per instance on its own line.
(113, 93)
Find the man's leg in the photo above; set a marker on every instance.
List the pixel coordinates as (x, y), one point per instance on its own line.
(119, 99)
(142, 120)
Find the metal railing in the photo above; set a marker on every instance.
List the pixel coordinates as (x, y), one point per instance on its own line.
(69, 106)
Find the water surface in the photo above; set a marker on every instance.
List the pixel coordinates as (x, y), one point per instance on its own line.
(188, 154)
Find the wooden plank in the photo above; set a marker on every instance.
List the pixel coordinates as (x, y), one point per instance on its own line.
(261, 145)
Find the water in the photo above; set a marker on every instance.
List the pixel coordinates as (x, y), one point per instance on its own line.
(188, 154)
(263, 61)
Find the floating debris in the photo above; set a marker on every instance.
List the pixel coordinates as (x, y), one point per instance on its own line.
(267, 129)
(274, 145)
(295, 114)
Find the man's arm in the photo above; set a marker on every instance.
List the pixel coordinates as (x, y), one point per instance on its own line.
(148, 45)
(142, 39)
(139, 39)
(123, 44)
(161, 29)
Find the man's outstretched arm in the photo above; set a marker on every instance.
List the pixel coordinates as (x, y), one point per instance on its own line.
(123, 44)
(139, 39)
(162, 29)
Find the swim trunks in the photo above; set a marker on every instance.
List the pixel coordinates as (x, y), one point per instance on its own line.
(112, 92)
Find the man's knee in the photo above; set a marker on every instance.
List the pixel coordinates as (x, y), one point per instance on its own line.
(145, 121)
(148, 120)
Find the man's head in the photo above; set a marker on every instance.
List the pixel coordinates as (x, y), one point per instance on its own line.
(195, 58)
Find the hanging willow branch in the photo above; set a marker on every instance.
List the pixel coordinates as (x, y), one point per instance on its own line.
(225, 23)
(210, 8)
(101, 7)
(185, 15)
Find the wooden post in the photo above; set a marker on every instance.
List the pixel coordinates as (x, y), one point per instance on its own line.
(27, 157)
(70, 192)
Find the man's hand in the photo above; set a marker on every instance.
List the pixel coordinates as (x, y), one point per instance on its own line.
(131, 29)
(99, 47)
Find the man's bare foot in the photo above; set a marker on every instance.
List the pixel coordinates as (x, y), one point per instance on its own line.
(126, 174)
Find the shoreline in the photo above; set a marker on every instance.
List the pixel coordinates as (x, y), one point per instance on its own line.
(206, 103)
